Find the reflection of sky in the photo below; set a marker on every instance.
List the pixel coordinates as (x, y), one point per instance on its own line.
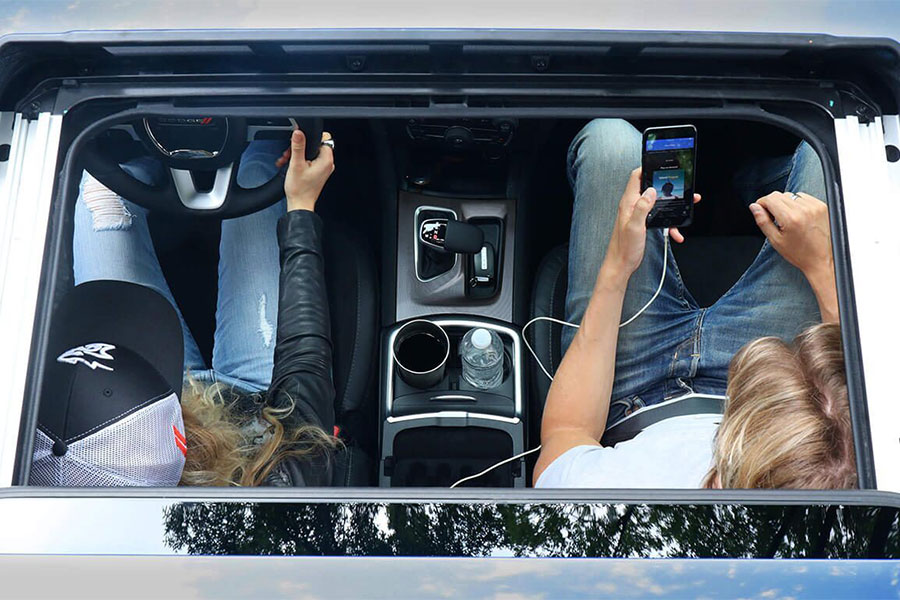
(132, 530)
(500, 579)
(67, 532)
(840, 17)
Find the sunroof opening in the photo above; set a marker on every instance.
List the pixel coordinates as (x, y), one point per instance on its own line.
(208, 331)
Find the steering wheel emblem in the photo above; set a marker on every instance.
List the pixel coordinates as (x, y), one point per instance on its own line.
(187, 137)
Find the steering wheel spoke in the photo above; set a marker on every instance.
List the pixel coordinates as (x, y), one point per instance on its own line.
(192, 198)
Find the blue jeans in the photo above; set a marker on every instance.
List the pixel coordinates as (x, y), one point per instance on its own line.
(675, 346)
(112, 241)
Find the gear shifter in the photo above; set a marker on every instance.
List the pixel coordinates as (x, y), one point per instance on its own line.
(452, 236)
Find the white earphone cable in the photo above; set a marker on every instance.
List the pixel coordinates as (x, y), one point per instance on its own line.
(492, 467)
(662, 279)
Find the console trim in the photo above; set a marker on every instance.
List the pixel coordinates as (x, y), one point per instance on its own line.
(517, 374)
(454, 414)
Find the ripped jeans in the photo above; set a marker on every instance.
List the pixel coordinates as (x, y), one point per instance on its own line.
(112, 241)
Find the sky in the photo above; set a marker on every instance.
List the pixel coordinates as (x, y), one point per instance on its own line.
(839, 17)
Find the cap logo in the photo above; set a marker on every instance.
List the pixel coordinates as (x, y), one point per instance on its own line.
(83, 354)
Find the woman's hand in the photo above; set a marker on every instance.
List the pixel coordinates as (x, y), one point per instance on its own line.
(797, 227)
(626, 246)
(305, 179)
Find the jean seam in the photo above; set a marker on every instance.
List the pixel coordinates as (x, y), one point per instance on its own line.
(695, 355)
(670, 256)
(793, 164)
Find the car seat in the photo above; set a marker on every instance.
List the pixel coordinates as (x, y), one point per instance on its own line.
(351, 280)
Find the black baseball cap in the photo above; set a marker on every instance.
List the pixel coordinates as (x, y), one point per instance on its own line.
(109, 411)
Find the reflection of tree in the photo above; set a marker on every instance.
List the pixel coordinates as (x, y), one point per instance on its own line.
(438, 529)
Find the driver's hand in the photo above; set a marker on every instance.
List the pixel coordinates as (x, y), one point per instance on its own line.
(305, 179)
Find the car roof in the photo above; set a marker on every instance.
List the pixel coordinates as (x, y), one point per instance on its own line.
(836, 17)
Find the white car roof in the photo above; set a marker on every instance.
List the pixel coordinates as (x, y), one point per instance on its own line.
(871, 18)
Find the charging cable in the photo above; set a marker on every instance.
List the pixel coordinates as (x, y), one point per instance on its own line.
(492, 467)
(662, 279)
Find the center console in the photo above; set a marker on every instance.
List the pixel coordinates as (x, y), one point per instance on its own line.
(436, 435)
(454, 273)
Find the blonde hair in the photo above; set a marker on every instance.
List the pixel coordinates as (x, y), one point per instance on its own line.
(223, 446)
(787, 420)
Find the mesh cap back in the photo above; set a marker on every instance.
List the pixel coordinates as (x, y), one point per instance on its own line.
(144, 448)
(109, 413)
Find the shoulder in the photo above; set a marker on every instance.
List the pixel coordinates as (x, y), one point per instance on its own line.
(573, 468)
(675, 453)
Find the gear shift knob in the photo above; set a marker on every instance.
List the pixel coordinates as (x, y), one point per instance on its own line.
(451, 235)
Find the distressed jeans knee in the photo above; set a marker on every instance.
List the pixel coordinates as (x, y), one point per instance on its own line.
(108, 210)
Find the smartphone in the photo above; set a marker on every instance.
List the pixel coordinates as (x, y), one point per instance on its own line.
(668, 164)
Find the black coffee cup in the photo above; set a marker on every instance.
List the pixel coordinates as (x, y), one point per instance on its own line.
(420, 350)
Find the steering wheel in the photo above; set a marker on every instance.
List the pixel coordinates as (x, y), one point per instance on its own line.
(201, 156)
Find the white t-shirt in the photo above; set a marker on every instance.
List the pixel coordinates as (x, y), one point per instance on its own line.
(674, 453)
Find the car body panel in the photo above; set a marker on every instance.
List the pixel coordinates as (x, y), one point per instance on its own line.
(26, 186)
(872, 18)
(271, 577)
(871, 186)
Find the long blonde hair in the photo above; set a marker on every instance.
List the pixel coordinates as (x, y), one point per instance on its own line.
(223, 438)
(787, 420)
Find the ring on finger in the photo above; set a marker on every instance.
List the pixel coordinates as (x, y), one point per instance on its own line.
(795, 196)
(329, 142)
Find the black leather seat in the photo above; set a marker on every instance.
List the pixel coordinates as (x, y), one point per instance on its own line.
(353, 299)
(709, 266)
(548, 299)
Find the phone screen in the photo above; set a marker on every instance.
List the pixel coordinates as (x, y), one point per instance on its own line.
(668, 159)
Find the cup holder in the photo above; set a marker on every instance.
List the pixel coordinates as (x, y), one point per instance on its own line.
(443, 430)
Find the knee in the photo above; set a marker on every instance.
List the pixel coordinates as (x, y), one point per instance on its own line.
(107, 209)
(601, 137)
(810, 174)
(256, 169)
(608, 144)
(805, 156)
(257, 164)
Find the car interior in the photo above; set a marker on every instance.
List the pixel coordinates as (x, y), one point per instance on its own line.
(449, 203)
(501, 180)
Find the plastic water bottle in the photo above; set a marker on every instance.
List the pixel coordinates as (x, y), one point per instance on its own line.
(481, 351)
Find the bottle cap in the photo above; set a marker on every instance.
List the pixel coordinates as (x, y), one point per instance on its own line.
(481, 338)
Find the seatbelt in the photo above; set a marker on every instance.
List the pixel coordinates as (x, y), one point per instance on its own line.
(690, 404)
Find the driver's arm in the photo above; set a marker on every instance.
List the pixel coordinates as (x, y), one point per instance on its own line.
(303, 353)
(578, 402)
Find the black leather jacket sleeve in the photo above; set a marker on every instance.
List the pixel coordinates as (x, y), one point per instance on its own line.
(303, 352)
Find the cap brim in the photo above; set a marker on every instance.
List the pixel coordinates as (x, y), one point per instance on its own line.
(123, 314)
